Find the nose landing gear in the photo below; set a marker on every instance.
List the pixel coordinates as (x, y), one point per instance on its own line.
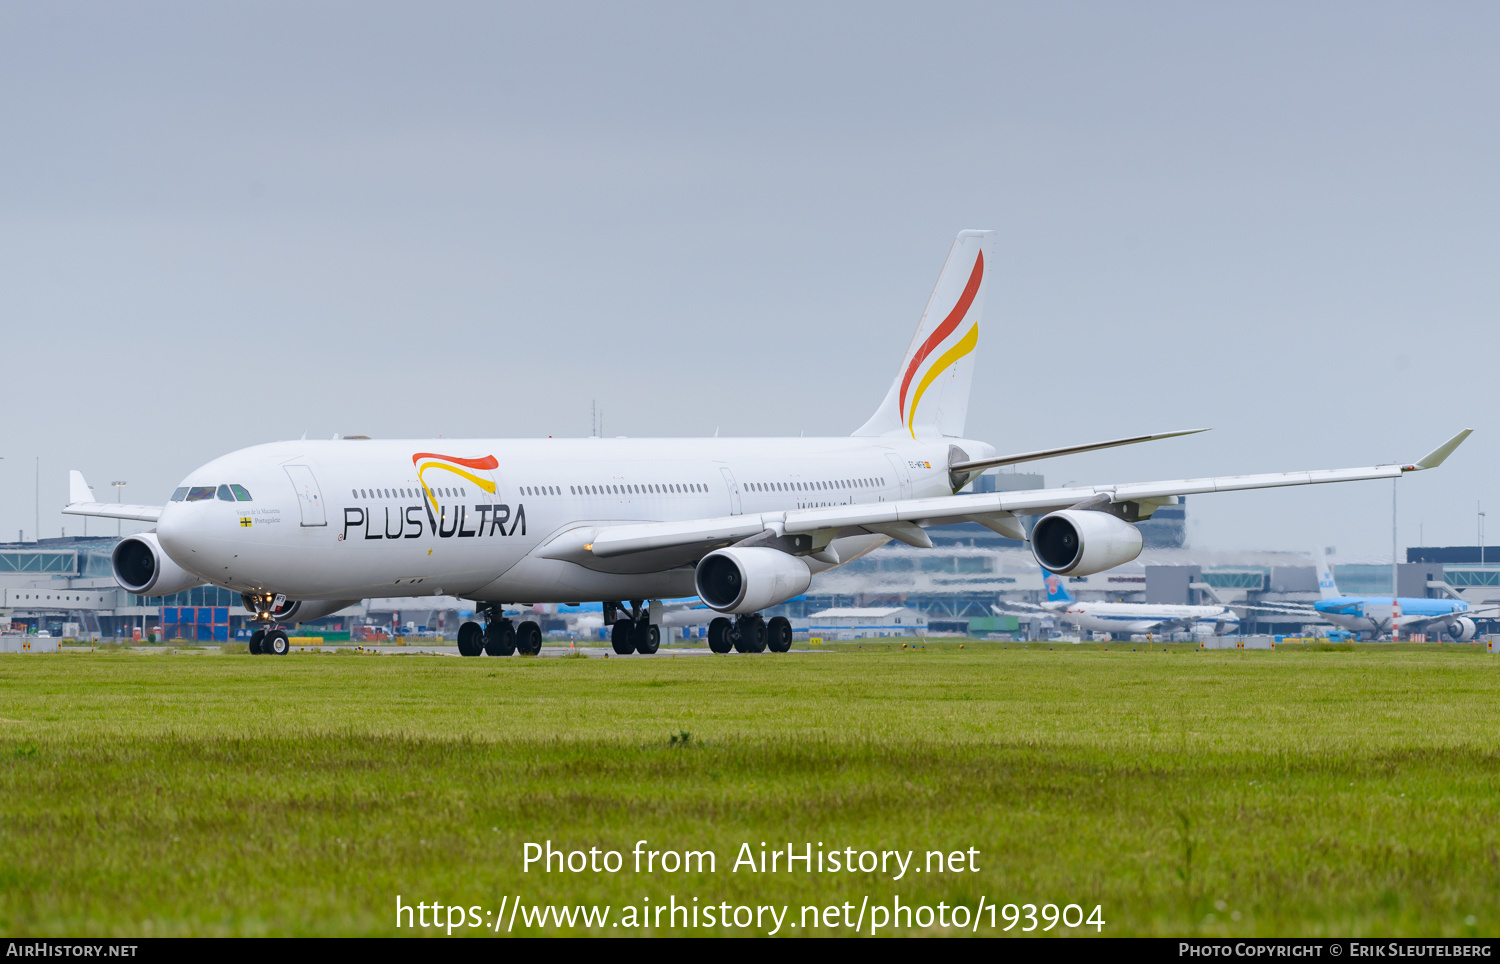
(276, 643)
(267, 639)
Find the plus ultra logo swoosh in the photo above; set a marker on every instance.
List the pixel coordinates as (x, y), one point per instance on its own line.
(452, 463)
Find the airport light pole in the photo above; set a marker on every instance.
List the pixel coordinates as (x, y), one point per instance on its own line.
(1480, 507)
(119, 487)
(1394, 560)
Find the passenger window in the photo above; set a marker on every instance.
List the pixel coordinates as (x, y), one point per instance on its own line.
(200, 492)
(240, 493)
(225, 495)
(180, 494)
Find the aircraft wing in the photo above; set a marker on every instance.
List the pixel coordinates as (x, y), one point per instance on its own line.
(1024, 607)
(1291, 609)
(81, 502)
(1415, 623)
(903, 519)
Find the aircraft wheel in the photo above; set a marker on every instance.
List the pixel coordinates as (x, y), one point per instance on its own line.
(719, 635)
(470, 639)
(276, 643)
(529, 639)
(500, 638)
(756, 630)
(620, 637)
(647, 638)
(256, 638)
(749, 635)
(779, 634)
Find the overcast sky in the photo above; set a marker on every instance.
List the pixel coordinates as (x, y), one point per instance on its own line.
(223, 224)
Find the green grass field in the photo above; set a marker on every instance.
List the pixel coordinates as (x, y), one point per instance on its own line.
(1348, 792)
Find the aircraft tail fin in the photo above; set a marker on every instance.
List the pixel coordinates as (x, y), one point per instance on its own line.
(1056, 591)
(929, 397)
(1327, 588)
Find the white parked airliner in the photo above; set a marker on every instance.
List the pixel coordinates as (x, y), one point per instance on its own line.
(1128, 619)
(304, 528)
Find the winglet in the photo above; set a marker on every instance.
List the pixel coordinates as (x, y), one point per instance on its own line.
(1435, 458)
(78, 490)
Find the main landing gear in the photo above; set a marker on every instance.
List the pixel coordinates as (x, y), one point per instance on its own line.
(267, 639)
(499, 636)
(750, 634)
(633, 633)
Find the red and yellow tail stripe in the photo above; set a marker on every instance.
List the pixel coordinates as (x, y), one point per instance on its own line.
(961, 348)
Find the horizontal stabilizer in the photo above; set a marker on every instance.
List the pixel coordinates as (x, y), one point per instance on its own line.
(114, 510)
(81, 502)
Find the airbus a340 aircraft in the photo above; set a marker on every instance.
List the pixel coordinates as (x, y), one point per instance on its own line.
(1131, 618)
(304, 528)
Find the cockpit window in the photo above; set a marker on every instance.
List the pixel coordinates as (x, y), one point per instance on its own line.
(240, 493)
(200, 492)
(225, 495)
(180, 494)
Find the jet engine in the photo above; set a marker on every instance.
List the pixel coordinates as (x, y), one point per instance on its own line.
(750, 579)
(1080, 542)
(302, 610)
(306, 610)
(1459, 629)
(141, 565)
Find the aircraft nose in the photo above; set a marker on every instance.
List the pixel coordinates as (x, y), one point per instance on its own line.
(174, 532)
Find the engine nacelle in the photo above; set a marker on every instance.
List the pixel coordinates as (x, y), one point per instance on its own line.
(141, 565)
(1460, 629)
(306, 610)
(302, 610)
(1081, 542)
(748, 580)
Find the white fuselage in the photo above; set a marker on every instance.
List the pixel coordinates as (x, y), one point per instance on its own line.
(349, 519)
(1139, 618)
